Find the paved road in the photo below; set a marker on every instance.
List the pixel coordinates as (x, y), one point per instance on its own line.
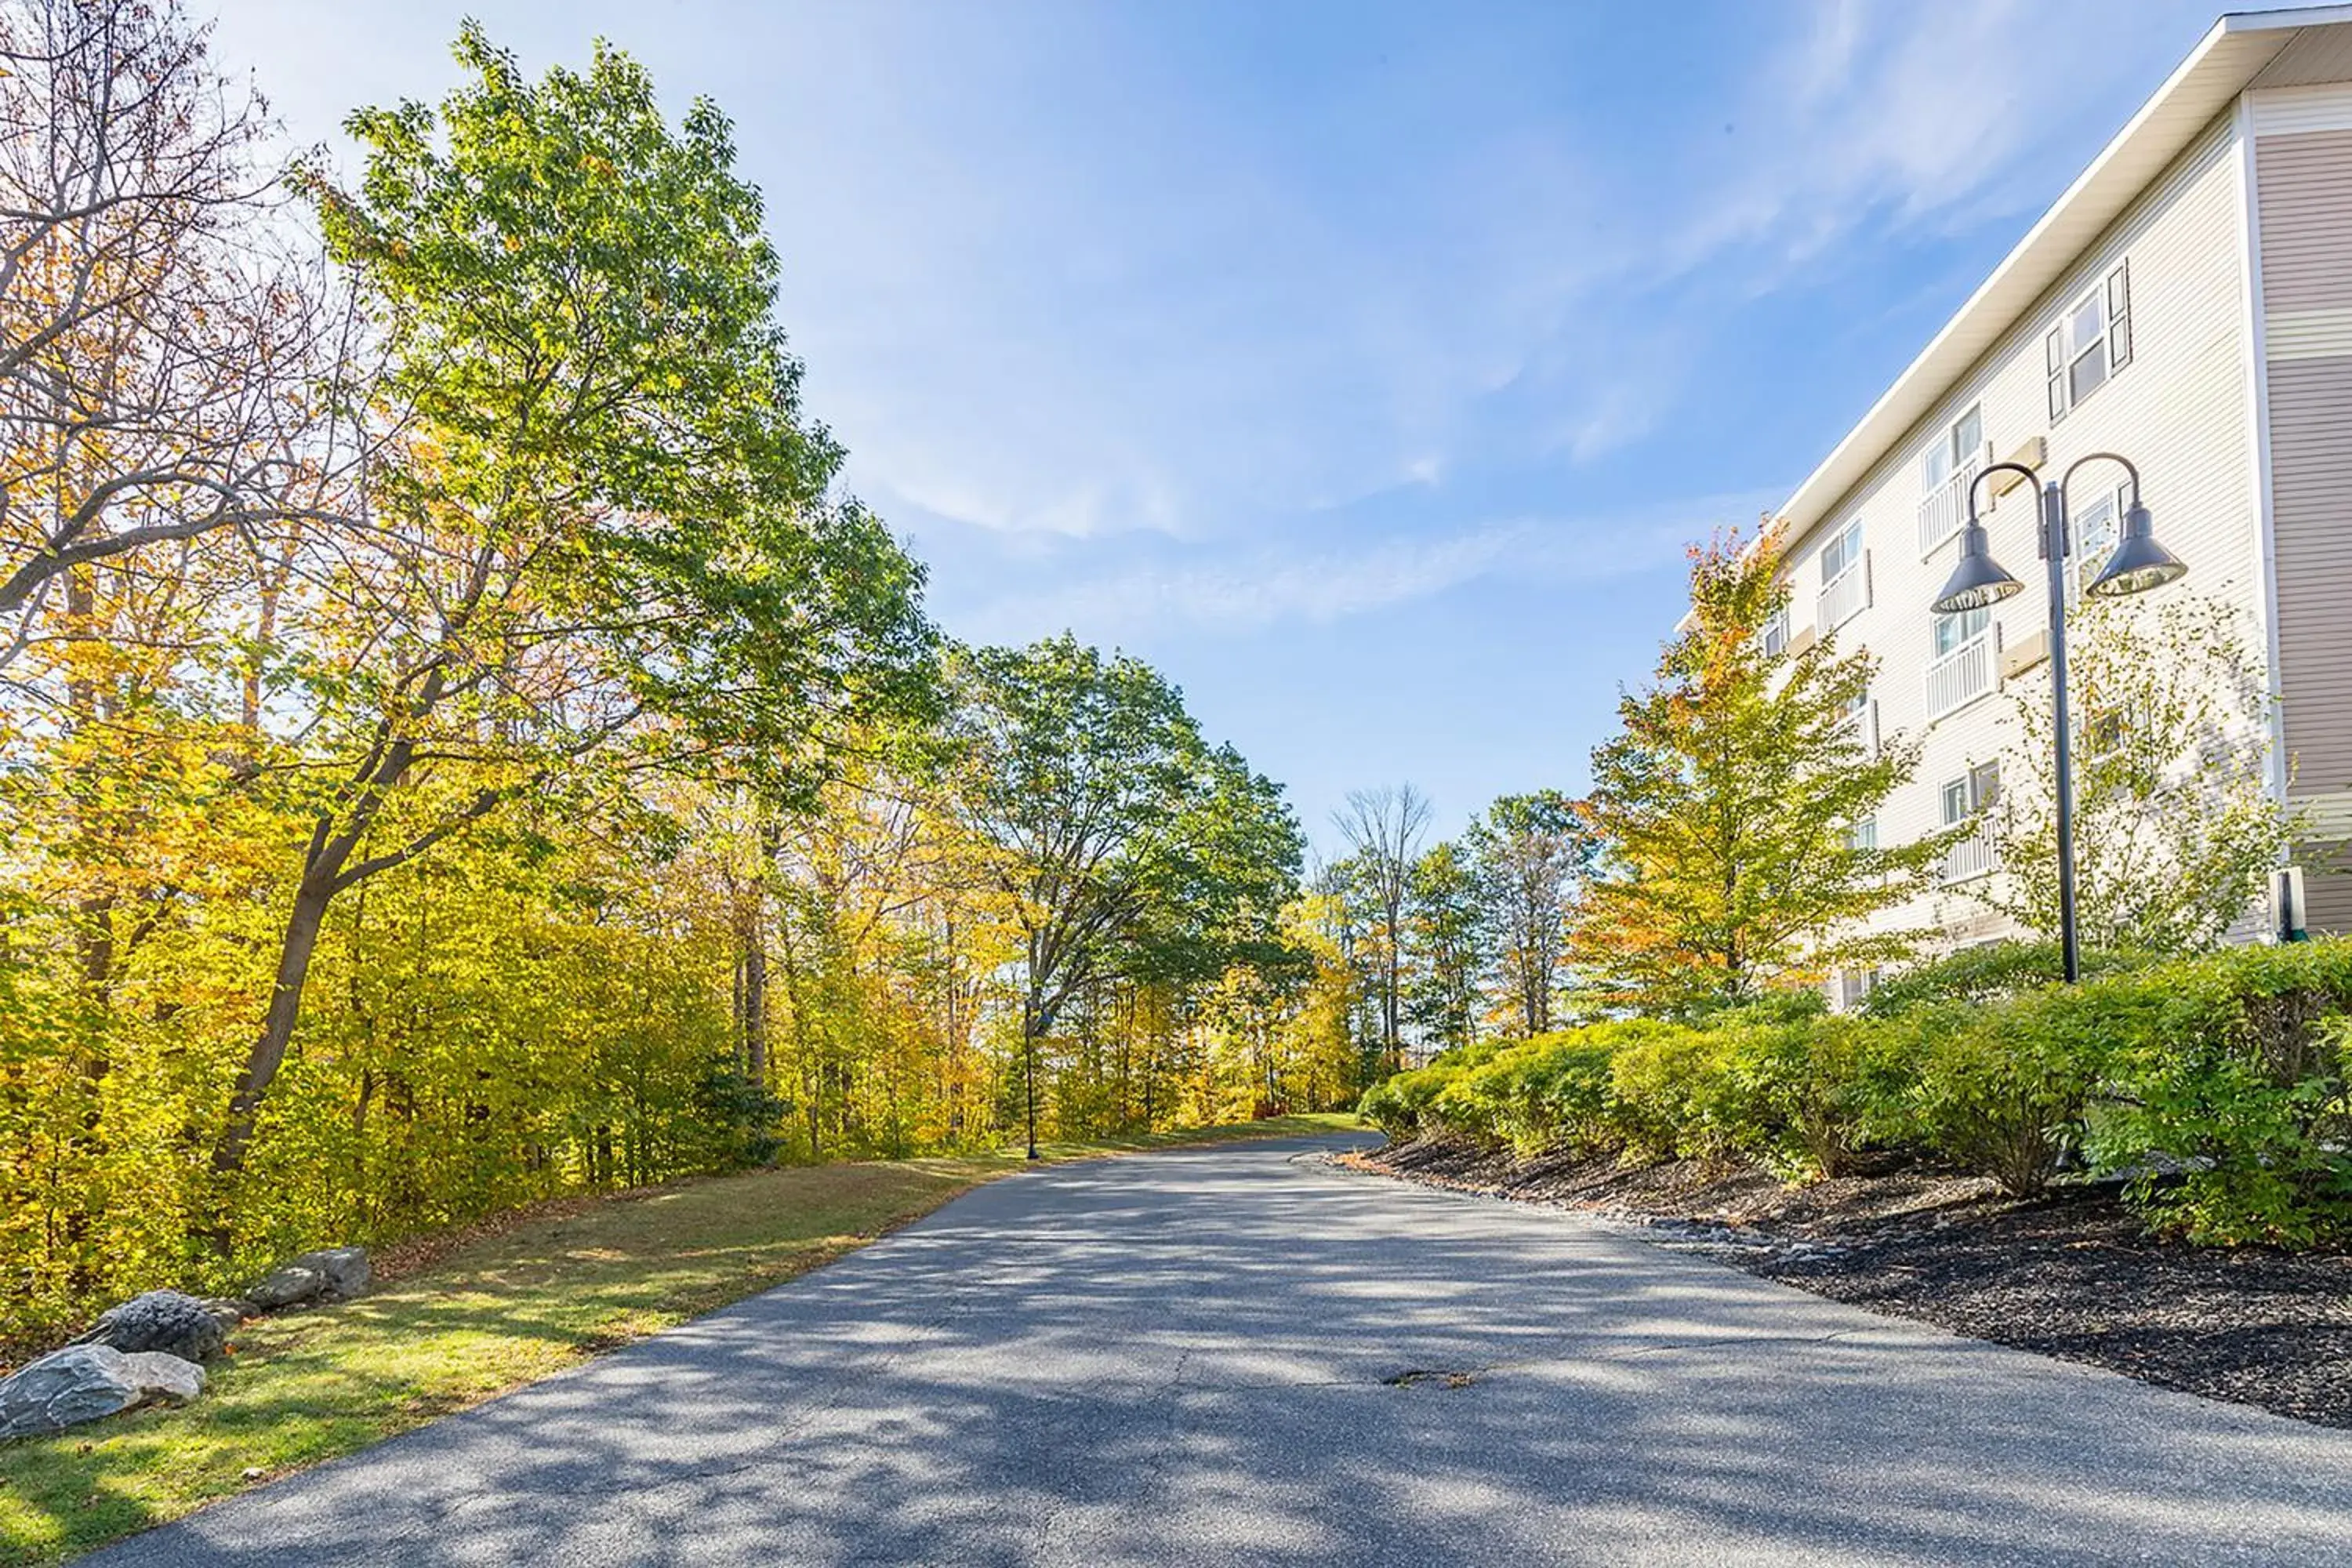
(1192, 1358)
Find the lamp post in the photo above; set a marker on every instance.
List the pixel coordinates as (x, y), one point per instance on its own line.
(1977, 581)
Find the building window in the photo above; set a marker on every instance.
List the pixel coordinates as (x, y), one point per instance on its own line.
(1845, 580)
(1962, 441)
(1862, 835)
(1984, 786)
(1842, 551)
(1855, 986)
(2091, 342)
(1956, 630)
(1776, 633)
(2096, 528)
(2104, 731)
(1956, 803)
(1964, 797)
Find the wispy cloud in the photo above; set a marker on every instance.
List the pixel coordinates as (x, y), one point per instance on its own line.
(1271, 585)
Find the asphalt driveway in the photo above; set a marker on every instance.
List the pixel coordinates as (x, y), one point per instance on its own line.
(1238, 1354)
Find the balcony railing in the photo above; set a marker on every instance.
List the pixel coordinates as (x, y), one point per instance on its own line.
(1971, 857)
(1946, 508)
(1843, 597)
(1962, 676)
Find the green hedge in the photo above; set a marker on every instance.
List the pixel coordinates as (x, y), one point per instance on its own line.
(2216, 1085)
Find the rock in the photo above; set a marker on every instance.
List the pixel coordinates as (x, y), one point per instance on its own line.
(82, 1382)
(337, 1274)
(162, 1321)
(171, 1378)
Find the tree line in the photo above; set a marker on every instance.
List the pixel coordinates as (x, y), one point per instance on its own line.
(460, 743)
(1727, 844)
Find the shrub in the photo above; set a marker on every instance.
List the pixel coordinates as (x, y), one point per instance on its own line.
(1549, 1091)
(2231, 1105)
(1990, 972)
(2003, 1091)
(1559, 1095)
(2222, 1085)
(1806, 1097)
(1397, 1104)
(1669, 1094)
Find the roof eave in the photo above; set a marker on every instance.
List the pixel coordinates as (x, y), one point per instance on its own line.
(2231, 53)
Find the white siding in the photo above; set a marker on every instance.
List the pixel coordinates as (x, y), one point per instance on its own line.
(2180, 409)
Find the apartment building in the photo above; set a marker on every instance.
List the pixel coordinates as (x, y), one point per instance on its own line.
(2187, 302)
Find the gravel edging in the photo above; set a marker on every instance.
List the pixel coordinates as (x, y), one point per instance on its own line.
(2072, 1275)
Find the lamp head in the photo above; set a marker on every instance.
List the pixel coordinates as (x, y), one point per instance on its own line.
(1977, 579)
(2138, 562)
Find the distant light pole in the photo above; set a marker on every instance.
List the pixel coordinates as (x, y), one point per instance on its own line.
(1977, 581)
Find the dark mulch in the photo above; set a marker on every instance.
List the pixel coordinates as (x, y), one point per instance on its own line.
(2072, 1274)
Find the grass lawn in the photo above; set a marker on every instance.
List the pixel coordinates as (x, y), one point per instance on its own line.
(503, 1309)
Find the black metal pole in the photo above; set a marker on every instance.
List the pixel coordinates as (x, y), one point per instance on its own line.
(2053, 551)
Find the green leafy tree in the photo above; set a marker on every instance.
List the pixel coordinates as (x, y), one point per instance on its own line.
(604, 534)
(1445, 947)
(1530, 855)
(2176, 829)
(1728, 810)
(1124, 844)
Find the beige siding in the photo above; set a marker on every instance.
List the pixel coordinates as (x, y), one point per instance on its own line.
(2306, 181)
(2317, 54)
(2304, 177)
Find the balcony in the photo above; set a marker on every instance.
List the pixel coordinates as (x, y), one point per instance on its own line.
(1962, 676)
(1945, 509)
(1843, 597)
(1969, 858)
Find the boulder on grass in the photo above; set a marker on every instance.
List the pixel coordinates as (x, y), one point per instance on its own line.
(337, 1274)
(164, 1320)
(82, 1382)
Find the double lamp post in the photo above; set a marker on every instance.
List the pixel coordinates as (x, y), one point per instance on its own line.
(1977, 581)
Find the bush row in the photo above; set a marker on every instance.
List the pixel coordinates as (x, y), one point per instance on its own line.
(2216, 1085)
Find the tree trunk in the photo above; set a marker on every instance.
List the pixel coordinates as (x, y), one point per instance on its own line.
(755, 1011)
(269, 1054)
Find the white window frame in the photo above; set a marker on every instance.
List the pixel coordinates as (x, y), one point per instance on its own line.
(1862, 835)
(2081, 547)
(1940, 461)
(2064, 358)
(1775, 635)
(1943, 618)
(1844, 547)
(1984, 786)
(1844, 590)
(1952, 801)
(2105, 732)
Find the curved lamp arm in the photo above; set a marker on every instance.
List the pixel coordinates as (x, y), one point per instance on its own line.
(2067, 479)
(2021, 471)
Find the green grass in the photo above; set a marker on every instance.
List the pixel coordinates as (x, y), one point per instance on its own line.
(498, 1310)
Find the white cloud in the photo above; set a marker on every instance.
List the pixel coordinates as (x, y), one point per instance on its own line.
(1272, 583)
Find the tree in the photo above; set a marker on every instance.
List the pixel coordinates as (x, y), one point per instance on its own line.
(2176, 830)
(1383, 827)
(1730, 810)
(1531, 854)
(1122, 841)
(167, 351)
(1445, 946)
(604, 531)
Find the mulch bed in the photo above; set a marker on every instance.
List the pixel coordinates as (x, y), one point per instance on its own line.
(2072, 1274)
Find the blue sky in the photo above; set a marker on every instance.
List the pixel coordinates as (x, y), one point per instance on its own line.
(1365, 367)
